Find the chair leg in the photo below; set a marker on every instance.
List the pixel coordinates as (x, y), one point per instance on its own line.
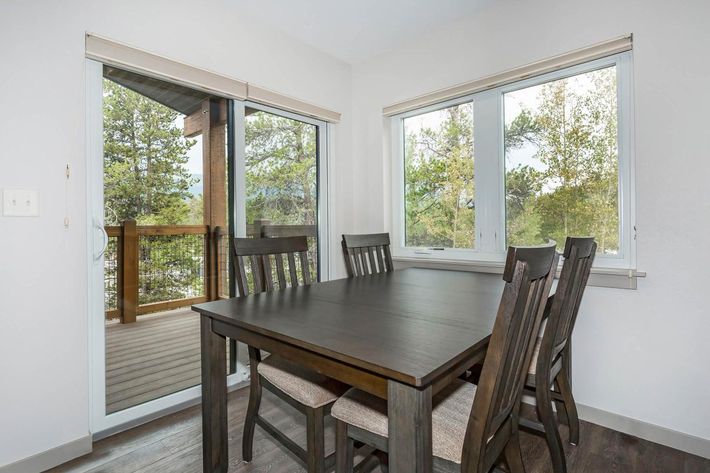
(552, 434)
(570, 407)
(252, 413)
(344, 448)
(384, 461)
(559, 404)
(315, 440)
(513, 455)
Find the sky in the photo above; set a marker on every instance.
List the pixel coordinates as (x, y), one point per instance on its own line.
(194, 164)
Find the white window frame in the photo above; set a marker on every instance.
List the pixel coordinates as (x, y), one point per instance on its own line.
(489, 168)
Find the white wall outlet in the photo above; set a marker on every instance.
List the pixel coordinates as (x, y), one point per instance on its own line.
(20, 203)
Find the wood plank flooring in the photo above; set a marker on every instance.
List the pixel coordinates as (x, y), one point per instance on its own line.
(173, 444)
(155, 356)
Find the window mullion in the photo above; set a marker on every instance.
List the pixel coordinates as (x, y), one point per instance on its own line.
(488, 177)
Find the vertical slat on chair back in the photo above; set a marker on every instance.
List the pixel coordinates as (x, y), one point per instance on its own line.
(367, 254)
(529, 272)
(579, 256)
(266, 260)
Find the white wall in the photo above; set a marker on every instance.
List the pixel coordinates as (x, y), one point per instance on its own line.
(43, 282)
(641, 354)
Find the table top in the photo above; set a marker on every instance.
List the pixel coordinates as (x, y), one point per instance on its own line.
(410, 325)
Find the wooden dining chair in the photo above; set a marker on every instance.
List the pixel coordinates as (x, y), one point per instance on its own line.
(473, 427)
(367, 254)
(310, 393)
(549, 375)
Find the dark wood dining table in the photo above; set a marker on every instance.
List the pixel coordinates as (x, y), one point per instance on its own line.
(401, 336)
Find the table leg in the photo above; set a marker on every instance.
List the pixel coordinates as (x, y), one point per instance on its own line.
(409, 413)
(215, 457)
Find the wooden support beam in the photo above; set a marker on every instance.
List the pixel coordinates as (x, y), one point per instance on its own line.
(128, 282)
(193, 123)
(214, 181)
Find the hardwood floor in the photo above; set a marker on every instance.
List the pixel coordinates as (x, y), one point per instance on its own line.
(173, 444)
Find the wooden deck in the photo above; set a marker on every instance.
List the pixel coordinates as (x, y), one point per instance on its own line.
(157, 355)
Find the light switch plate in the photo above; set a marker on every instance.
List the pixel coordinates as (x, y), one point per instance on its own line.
(20, 203)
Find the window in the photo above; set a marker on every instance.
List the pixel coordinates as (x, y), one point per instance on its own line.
(552, 158)
(281, 163)
(281, 178)
(438, 170)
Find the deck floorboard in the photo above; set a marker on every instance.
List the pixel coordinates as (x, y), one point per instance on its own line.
(156, 356)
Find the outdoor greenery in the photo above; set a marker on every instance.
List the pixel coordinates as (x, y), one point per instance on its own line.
(145, 179)
(561, 168)
(572, 186)
(281, 172)
(145, 154)
(440, 181)
(565, 183)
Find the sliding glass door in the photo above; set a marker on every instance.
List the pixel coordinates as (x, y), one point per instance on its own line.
(161, 201)
(174, 173)
(281, 177)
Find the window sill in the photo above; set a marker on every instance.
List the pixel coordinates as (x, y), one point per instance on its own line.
(599, 277)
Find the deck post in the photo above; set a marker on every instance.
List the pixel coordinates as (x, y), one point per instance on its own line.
(259, 227)
(214, 174)
(128, 274)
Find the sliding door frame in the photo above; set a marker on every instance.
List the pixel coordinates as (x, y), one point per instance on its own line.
(102, 424)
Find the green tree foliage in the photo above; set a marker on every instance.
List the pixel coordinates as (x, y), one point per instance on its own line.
(440, 181)
(280, 170)
(566, 186)
(145, 178)
(145, 154)
(281, 173)
(574, 190)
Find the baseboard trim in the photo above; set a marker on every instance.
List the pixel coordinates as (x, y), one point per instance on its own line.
(643, 430)
(51, 458)
(651, 432)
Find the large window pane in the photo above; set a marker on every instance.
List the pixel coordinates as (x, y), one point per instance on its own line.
(439, 185)
(282, 178)
(561, 160)
(159, 211)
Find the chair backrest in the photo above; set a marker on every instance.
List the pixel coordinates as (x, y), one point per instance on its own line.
(529, 273)
(261, 252)
(367, 254)
(579, 256)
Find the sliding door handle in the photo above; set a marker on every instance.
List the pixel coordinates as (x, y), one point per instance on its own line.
(104, 246)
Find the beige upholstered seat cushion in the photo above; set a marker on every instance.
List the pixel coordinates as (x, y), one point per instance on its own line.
(536, 354)
(450, 414)
(305, 386)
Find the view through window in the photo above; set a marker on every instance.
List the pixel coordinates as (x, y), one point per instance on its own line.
(439, 178)
(282, 178)
(519, 164)
(160, 212)
(561, 161)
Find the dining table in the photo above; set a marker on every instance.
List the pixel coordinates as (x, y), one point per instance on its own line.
(401, 336)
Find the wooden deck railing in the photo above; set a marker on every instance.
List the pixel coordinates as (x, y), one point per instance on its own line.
(147, 266)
